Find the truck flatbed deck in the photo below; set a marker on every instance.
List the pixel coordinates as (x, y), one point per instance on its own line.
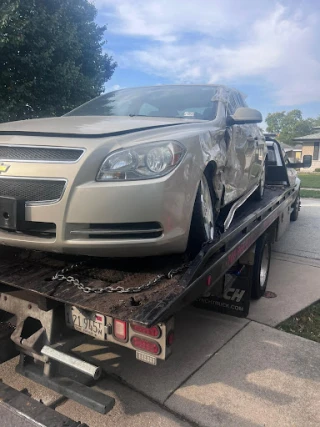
(41, 294)
(33, 271)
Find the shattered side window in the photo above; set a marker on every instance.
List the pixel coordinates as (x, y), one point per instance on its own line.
(221, 95)
(235, 101)
(232, 105)
(240, 100)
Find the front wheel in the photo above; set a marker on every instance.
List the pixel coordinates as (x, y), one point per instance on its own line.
(261, 266)
(202, 227)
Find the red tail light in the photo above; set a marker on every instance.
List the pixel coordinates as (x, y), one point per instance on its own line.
(120, 330)
(154, 332)
(146, 345)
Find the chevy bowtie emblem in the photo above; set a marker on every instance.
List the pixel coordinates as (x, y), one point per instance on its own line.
(4, 168)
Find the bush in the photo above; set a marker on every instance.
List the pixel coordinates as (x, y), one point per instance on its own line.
(317, 170)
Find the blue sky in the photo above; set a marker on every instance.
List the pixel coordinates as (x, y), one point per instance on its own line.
(268, 49)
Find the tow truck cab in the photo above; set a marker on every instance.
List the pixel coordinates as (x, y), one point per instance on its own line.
(276, 174)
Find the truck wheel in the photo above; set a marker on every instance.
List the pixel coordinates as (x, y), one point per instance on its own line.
(259, 193)
(296, 207)
(261, 266)
(202, 227)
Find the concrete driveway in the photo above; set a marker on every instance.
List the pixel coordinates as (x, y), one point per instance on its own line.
(224, 371)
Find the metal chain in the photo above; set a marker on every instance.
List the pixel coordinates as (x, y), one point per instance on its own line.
(61, 276)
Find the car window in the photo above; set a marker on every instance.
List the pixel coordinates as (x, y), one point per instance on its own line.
(271, 156)
(235, 101)
(239, 100)
(192, 112)
(285, 157)
(181, 101)
(146, 109)
(232, 105)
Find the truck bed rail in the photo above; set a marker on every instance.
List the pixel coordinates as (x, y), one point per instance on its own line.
(33, 271)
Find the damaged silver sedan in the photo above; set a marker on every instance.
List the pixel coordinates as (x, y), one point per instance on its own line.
(135, 172)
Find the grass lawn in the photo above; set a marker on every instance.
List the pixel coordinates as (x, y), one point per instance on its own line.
(315, 194)
(310, 180)
(306, 323)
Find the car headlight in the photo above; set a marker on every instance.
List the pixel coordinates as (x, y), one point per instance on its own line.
(141, 162)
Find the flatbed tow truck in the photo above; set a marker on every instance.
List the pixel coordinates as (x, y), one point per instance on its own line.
(50, 303)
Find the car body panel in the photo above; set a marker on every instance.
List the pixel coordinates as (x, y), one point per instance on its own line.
(237, 153)
(246, 155)
(90, 126)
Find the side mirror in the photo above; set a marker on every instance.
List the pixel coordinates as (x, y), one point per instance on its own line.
(244, 115)
(307, 162)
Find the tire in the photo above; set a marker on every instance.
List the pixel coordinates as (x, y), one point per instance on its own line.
(202, 227)
(296, 207)
(261, 266)
(259, 193)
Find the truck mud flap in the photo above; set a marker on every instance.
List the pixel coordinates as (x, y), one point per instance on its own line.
(236, 298)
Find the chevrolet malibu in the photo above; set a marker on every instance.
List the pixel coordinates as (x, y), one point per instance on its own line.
(134, 172)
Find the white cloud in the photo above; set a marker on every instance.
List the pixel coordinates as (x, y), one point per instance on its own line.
(224, 41)
(167, 20)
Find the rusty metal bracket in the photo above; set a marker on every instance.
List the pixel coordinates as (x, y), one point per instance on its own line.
(66, 386)
(16, 406)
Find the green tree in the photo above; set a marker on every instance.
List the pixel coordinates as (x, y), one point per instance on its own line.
(290, 125)
(51, 57)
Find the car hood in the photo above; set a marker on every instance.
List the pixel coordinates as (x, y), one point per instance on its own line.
(88, 126)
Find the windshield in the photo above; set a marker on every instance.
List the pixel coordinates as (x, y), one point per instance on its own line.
(186, 102)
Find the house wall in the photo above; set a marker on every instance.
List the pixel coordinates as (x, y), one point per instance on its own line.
(308, 149)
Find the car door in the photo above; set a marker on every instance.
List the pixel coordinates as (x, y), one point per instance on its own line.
(242, 152)
(255, 148)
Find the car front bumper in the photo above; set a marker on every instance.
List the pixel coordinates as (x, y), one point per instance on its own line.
(111, 219)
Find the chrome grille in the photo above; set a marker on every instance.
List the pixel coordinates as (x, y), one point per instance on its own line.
(39, 154)
(32, 190)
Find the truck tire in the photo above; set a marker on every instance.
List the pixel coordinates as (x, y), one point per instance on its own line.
(261, 266)
(202, 227)
(296, 207)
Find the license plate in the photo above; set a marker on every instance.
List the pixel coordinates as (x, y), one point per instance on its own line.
(88, 323)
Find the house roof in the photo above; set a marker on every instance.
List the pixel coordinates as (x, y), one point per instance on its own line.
(311, 137)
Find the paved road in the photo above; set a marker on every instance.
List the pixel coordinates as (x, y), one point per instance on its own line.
(295, 269)
(224, 371)
(303, 237)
